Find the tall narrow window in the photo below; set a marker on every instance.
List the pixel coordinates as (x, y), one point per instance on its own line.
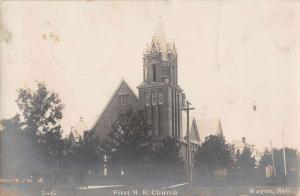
(173, 130)
(145, 72)
(154, 72)
(160, 97)
(153, 97)
(127, 99)
(175, 115)
(120, 99)
(123, 99)
(147, 97)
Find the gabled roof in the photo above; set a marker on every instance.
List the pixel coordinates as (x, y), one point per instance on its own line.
(203, 128)
(240, 144)
(80, 127)
(122, 83)
(194, 132)
(208, 127)
(71, 137)
(78, 130)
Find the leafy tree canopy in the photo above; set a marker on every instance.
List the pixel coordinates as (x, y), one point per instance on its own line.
(38, 128)
(130, 147)
(215, 153)
(128, 144)
(167, 160)
(41, 109)
(245, 160)
(292, 160)
(81, 157)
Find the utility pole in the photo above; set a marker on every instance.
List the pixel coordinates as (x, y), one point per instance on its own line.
(189, 156)
(283, 149)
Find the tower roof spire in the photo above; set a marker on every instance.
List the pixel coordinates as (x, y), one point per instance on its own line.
(160, 42)
(160, 36)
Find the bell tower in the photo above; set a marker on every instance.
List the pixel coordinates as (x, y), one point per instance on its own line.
(159, 93)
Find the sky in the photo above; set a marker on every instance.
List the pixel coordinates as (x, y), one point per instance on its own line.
(232, 56)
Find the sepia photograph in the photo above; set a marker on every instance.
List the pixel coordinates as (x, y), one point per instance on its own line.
(150, 98)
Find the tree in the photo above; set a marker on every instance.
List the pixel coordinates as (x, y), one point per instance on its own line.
(92, 154)
(128, 144)
(130, 148)
(166, 160)
(13, 149)
(41, 112)
(40, 109)
(245, 161)
(244, 171)
(292, 160)
(214, 154)
(81, 158)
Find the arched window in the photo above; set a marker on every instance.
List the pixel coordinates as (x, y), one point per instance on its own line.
(160, 97)
(153, 93)
(147, 98)
(154, 72)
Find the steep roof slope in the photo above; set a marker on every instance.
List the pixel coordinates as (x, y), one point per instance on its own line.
(115, 105)
(199, 129)
(78, 130)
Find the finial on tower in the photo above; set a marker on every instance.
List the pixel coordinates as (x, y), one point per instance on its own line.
(159, 42)
(173, 46)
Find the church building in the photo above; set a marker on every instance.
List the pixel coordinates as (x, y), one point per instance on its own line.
(159, 93)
